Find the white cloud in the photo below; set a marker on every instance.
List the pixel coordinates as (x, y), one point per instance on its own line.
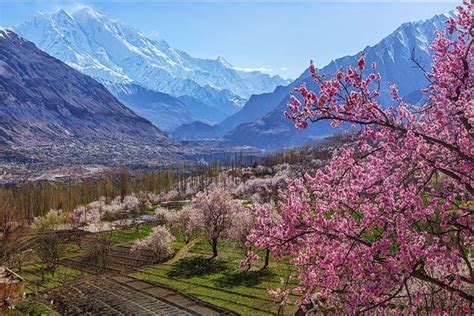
(250, 69)
(153, 35)
(68, 6)
(75, 7)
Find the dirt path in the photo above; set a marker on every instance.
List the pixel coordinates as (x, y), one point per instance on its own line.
(183, 251)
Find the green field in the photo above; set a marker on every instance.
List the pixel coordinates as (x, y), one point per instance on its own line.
(127, 235)
(37, 280)
(219, 281)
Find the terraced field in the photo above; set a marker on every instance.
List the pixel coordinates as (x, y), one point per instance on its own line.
(188, 283)
(81, 287)
(120, 260)
(119, 295)
(37, 281)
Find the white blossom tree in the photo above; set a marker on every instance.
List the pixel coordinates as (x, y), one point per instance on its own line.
(159, 243)
(214, 212)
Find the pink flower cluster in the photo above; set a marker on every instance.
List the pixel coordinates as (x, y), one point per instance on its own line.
(389, 220)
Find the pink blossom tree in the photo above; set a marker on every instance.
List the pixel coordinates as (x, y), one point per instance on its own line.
(183, 220)
(163, 215)
(242, 225)
(159, 243)
(214, 213)
(389, 220)
(268, 219)
(131, 203)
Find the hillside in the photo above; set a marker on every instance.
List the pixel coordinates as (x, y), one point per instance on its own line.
(393, 56)
(109, 50)
(56, 114)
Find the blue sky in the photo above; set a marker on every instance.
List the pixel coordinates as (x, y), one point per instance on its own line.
(278, 37)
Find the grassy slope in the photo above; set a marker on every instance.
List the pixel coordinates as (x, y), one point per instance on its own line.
(219, 281)
(126, 235)
(32, 274)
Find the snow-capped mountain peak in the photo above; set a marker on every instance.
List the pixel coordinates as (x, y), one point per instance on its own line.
(105, 48)
(224, 62)
(90, 12)
(393, 56)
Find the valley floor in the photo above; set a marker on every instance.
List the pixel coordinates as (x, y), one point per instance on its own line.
(186, 284)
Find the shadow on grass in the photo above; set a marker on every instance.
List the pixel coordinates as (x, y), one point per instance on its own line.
(247, 278)
(195, 267)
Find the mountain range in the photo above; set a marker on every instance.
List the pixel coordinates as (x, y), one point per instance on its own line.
(117, 54)
(54, 114)
(260, 123)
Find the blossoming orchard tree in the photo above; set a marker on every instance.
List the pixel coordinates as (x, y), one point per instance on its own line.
(158, 243)
(183, 220)
(271, 217)
(388, 223)
(242, 225)
(214, 212)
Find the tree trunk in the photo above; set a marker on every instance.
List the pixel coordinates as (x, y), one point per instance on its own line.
(214, 248)
(267, 259)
